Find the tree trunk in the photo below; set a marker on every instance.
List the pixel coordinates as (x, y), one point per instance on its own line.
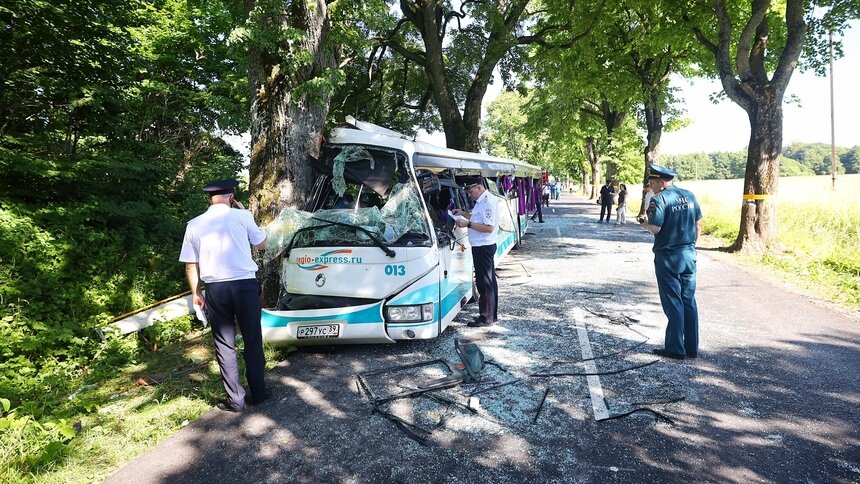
(761, 98)
(286, 130)
(758, 226)
(654, 125)
(594, 163)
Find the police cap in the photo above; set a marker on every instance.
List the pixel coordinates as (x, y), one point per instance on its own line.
(471, 181)
(658, 171)
(220, 187)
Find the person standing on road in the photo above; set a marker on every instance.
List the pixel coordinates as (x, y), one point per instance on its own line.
(483, 225)
(217, 250)
(621, 211)
(675, 219)
(545, 195)
(607, 193)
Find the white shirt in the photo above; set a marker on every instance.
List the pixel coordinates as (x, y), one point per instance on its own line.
(219, 241)
(648, 196)
(486, 211)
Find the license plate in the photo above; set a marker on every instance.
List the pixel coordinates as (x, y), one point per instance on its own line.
(318, 331)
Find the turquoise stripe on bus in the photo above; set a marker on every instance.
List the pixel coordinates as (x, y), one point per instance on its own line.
(453, 298)
(423, 295)
(371, 315)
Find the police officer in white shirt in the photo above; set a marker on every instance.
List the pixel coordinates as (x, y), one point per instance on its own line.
(217, 250)
(483, 224)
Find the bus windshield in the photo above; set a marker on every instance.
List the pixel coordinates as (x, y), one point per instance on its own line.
(363, 197)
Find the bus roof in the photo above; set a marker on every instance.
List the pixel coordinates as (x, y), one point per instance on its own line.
(426, 155)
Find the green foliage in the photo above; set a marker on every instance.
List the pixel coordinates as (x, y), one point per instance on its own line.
(100, 168)
(64, 75)
(816, 157)
(851, 160)
(790, 167)
(726, 165)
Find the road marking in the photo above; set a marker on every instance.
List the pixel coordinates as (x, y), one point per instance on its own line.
(598, 404)
(558, 231)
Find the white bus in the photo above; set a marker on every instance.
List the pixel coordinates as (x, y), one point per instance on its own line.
(375, 257)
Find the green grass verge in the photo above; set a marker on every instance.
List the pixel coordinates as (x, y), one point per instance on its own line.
(821, 245)
(114, 417)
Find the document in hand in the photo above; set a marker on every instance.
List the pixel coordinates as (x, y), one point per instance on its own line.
(457, 217)
(201, 316)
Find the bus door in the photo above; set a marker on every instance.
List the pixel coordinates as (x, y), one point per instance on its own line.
(455, 258)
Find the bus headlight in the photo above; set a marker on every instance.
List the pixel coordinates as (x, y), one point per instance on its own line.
(422, 312)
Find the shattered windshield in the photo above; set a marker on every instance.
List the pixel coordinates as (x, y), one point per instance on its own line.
(363, 197)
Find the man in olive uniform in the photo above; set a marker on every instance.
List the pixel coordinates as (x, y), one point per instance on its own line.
(675, 219)
(483, 224)
(217, 250)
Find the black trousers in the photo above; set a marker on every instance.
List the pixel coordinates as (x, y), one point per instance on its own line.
(606, 208)
(228, 303)
(538, 213)
(488, 286)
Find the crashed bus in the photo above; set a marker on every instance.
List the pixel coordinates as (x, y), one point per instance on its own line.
(375, 256)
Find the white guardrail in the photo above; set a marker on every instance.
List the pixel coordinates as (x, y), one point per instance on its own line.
(165, 310)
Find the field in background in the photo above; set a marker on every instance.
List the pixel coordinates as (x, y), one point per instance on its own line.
(819, 229)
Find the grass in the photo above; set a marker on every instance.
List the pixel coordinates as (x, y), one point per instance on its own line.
(819, 229)
(115, 419)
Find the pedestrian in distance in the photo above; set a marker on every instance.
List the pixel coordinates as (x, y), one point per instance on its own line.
(545, 192)
(675, 219)
(607, 195)
(483, 225)
(217, 251)
(646, 203)
(538, 213)
(621, 211)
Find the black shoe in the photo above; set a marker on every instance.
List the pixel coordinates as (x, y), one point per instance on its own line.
(479, 323)
(667, 354)
(224, 407)
(251, 401)
(692, 355)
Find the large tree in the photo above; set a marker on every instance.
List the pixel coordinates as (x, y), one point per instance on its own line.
(459, 48)
(756, 46)
(292, 69)
(650, 45)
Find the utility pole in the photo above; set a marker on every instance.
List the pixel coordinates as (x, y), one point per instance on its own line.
(832, 121)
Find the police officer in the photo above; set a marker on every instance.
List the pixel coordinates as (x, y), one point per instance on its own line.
(675, 219)
(483, 224)
(217, 250)
(607, 193)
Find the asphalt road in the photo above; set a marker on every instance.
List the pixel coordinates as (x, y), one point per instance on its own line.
(773, 397)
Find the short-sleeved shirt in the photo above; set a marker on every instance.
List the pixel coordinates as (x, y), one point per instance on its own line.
(486, 211)
(675, 211)
(219, 241)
